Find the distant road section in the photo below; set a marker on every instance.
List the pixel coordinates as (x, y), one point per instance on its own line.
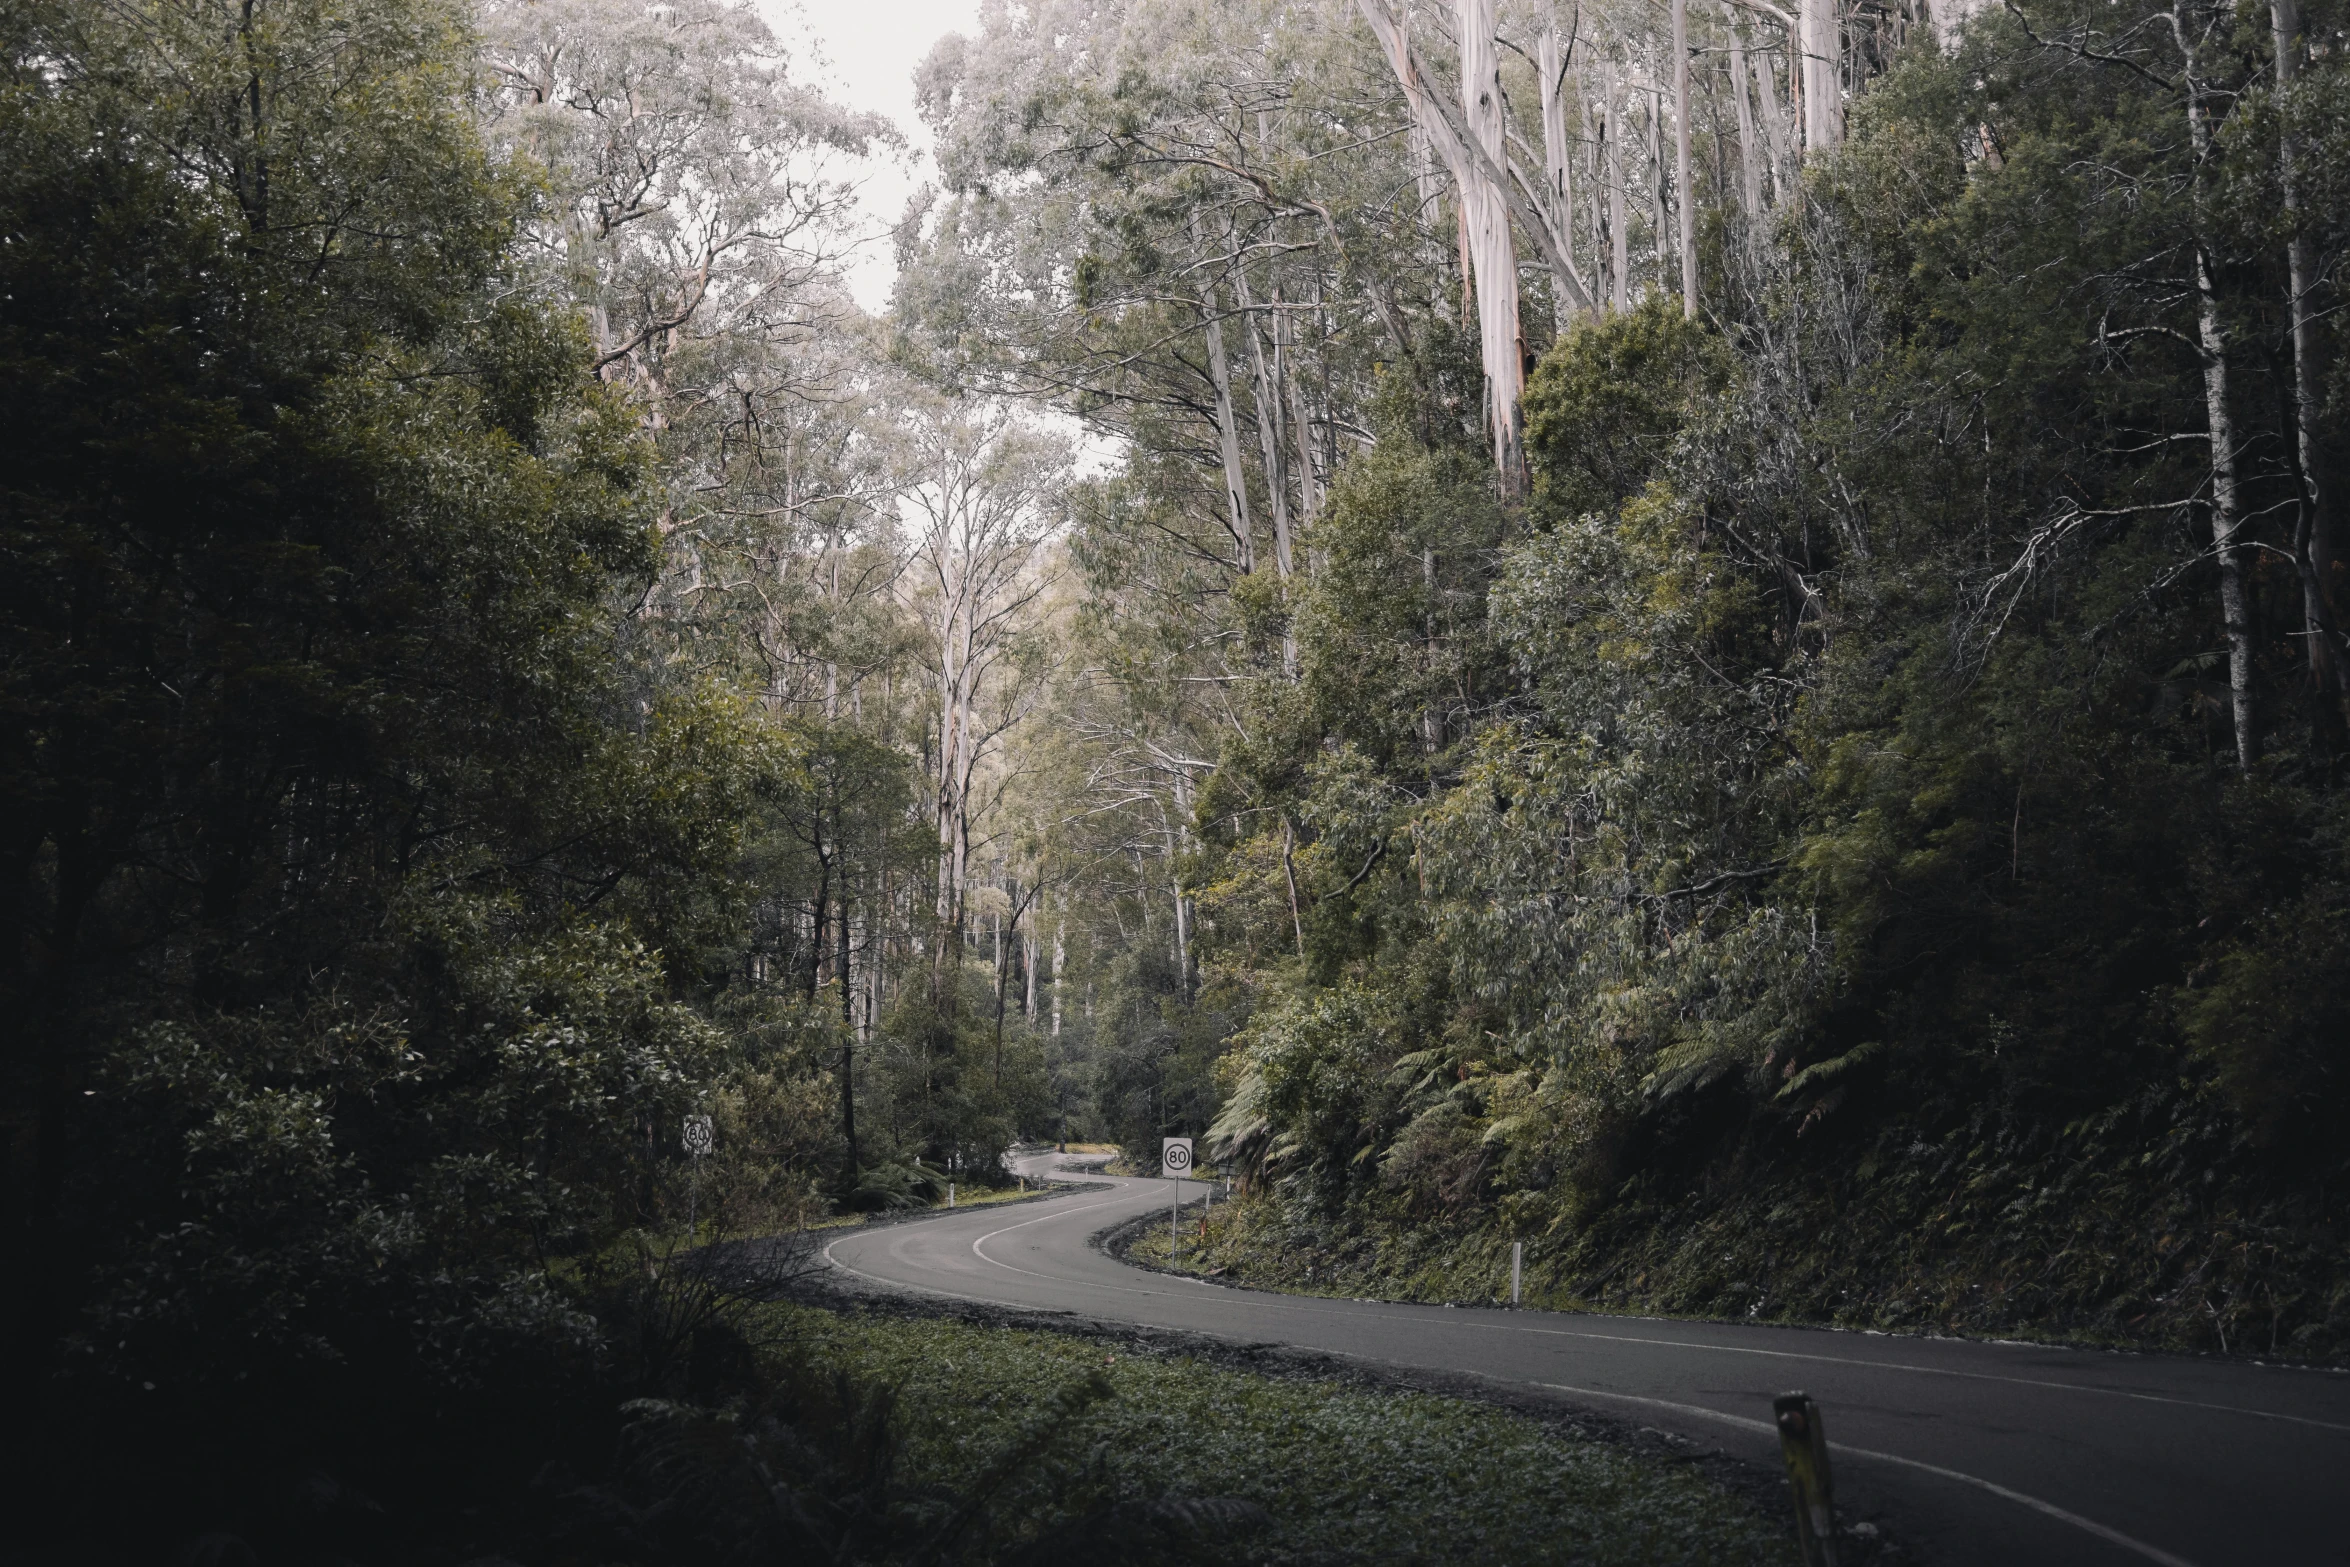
(1978, 1453)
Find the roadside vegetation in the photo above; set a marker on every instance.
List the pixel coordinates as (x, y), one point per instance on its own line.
(1320, 1471)
(1774, 731)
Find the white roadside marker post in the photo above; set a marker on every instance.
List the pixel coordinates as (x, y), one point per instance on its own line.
(1517, 1269)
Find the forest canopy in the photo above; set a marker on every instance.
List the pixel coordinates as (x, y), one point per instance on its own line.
(1704, 638)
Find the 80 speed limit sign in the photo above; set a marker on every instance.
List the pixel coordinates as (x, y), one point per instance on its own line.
(1175, 1156)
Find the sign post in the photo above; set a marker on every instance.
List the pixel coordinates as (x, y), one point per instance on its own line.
(697, 1145)
(1175, 1163)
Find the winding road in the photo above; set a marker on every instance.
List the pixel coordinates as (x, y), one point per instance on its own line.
(1975, 1452)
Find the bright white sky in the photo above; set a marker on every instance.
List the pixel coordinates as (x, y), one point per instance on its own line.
(870, 49)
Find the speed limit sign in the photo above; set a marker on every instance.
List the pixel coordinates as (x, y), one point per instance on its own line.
(697, 1135)
(1175, 1156)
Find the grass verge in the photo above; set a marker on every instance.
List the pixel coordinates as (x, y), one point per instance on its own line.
(1345, 1474)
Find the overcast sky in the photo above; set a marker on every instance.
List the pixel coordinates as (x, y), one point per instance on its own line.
(871, 48)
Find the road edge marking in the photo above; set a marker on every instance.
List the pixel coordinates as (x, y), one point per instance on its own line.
(2105, 1532)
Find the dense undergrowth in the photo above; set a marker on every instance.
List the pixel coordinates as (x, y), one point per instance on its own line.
(713, 1427)
(2142, 1228)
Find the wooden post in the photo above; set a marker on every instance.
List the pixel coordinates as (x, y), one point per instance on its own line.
(1803, 1442)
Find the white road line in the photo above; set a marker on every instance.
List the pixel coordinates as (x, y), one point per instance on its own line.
(1668, 1343)
(1931, 1371)
(2049, 1509)
(2103, 1532)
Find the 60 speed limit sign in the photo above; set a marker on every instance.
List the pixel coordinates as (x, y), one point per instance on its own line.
(1175, 1156)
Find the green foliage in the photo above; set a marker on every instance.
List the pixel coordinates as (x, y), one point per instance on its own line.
(1340, 1474)
(350, 870)
(1849, 771)
(1605, 406)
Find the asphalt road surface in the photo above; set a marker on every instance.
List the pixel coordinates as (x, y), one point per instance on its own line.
(1974, 1452)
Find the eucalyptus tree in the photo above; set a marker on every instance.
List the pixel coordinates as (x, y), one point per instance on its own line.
(1167, 217)
(699, 194)
(980, 499)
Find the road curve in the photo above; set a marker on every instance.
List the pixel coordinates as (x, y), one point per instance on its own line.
(1976, 1452)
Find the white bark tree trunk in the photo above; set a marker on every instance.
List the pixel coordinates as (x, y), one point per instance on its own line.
(2313, 550)
(1681, 190)
(1749, 163)
(1823, 89)
(1287, 374)
(1269, 443)
(1558, 185)
(1466, 153)
(1227, 422)
(1228, 443)
(1658, 242)
(1485, 211)
(1775, 119)
(2227, 511)
(1618, 197)
(1595, 181)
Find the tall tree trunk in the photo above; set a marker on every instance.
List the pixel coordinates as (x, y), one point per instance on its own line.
(1227, 423)
(1475, 156)
(848, 1009)
(1060, 967)
(1485, 208)
(1269, 443)
(1297, 919)
(2227, 511)
(848, 1103)
(1228, 444)
(949, 710)
(1558, 186)
(1658, 243)
(2313, 551)
(1595, 181)
(1823, 91)
(816, 920)
(1775, 119)
(1681, 189)
(1749, 164)
(1182, 943)
(1618, 197)
(1288, 374)
(848, 1054)
(877, 938)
